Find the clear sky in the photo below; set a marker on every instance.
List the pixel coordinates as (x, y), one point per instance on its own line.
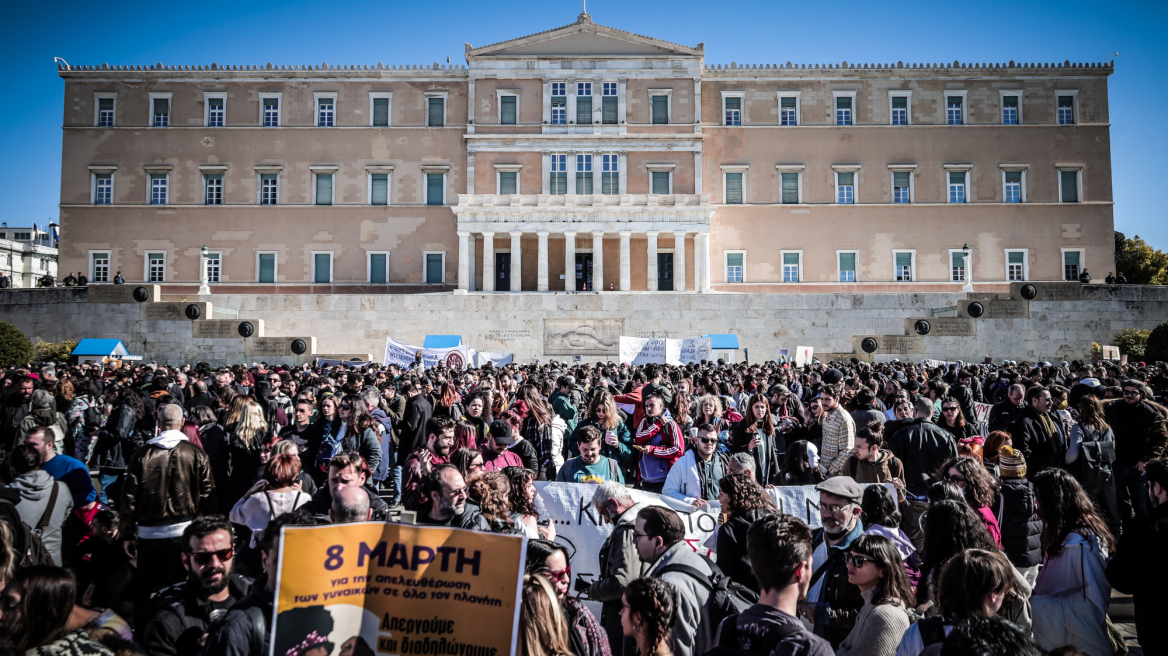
(746, 31)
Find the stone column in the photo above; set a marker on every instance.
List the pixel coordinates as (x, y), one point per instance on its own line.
(470, 159)
(470, 249)
(598, 260)
(541, 280)
(569, 261)
(698, 103)
(516, 263)
(702, 255)
(623, 175)
(626, 283)
(651, 282)
(572, 173)
(464, 261)
(679, 260)
(621, 104)
(546, 158)
(470, 110)
(488, 261)
(570, 89)
(698, 172)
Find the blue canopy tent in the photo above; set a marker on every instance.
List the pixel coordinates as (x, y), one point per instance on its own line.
(723, 347)
(101, 350)
(442, 341)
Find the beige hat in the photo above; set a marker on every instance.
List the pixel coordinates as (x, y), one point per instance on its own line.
(1011, 464)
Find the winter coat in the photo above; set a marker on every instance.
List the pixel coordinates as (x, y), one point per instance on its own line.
(242, 463)
(367, 444)
(168, 482)
(1017, 513)
(769, 463)
(620, 564)
(922, 447)
(1134, 571)
(837, 600)
(1003, 415)
(731, 547)
(35, 488)
(1071, 597)
(45, 418)
(886, 468)
(413, 426)
(1139, 429)
(684, 481)
(1040, 450)
(117, 441)
(693, 633)
(322, 502)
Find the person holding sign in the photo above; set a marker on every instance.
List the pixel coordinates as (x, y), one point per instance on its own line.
(589, 466)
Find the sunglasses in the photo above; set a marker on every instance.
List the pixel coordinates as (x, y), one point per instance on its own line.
(956, 479)
(858, 561)
(707, 440)
(1130, 393)
(346, 406)
(561, 575)
(204, 557)
(948, 409)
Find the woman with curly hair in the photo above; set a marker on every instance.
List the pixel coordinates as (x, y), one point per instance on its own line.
(979, 488)
(543, 630)
(522, 500)
(743, 502)
(1072, 592)
(875, 567)
(950, 528)
(490, 490)
(648, 613)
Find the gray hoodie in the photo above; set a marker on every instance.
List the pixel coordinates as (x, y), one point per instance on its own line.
(693, 634)
(34, 488)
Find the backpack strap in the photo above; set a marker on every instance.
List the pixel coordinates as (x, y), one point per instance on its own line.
(259, 627)
(44, 521)
(691, 572)
(612, 470)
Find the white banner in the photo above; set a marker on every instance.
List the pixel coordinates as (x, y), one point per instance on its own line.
(685, 351)
(402, 354)
(659, 350)
(982, 412)
(804, 355)
(481, 358)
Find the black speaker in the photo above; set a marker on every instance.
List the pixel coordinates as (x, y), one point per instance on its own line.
(923, 327)
(1028, 292)
(193, 312)
(141, 294)
(869, 345)
(246, 329)
(299, 347)
(975, 310)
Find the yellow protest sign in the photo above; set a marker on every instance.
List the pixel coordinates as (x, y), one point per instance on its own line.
(379, 588)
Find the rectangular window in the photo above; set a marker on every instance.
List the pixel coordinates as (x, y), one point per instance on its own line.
(584, 174)
(379, 189)
(558, 182)
(847, 267)
(1066, 114)
(508, 184)
(378, 268)
(660, 110)
(215, 113)
(100, 268)
(269, 189)
(381, 112)
(845, 188)
(322, 267)
(507, 115)
(559, 103)
(436, 114)
(271, 112)
(899, 110)
(1009, 110)
(161, 112)
(1015, 266)
(267, 267)
(790, 188)
(105, 112)
(103, 191)
(734, 267)
(957, 266)
(326, 112)
(843, 110)
(214, 266)
(610, 175)
(608, 110)
(1013, 187)
(957, 186)
(156, 267)
(660, 182)
(583, 103)
(435, 188)
(158, 188)
(213, 189)
(904, 267)
(1069, 186)
(734, 188)
(733, 111)
(1071, 265)
(435, 268)
(901, 192)
(790, 267)
(953, 110)
(787, 111)
(324, 189)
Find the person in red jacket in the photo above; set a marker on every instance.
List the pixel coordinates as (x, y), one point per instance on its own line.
(660, 443)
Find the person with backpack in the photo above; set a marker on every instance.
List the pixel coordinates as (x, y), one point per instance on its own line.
(871, 463)
(832, 603)
(660, 541)
(45, 503)
(694, 477)
(1091, 456)
(589, 466)
(780, 549)
(1017, 513)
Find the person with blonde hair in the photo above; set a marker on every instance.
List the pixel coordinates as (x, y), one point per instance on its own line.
(543, 631)
(243, 450)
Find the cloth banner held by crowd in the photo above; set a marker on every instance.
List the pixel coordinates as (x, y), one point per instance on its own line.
(403, 355)
(660, 350)
(398, 589)
(481, 358)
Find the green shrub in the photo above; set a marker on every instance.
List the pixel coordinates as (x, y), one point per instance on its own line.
(15, 349)
(1131, 342)
(1156, 348)
(49, 352)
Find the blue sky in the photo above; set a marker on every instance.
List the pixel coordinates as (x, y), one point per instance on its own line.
(300, 31)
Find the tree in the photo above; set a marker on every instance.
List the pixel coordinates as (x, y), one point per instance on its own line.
(15, 349)
(1156, 350)
(1131, 342)
(49, 352)
(1139, 262)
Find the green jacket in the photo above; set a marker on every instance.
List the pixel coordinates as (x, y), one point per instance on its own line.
(562, 405)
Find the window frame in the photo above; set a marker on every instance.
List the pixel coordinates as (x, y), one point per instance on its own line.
(168, 96)
(146, 268)
(668, 93)
(1063, 261)
(907, 95)
(744, 169)
(783, 266)
(203, 173)
(219, 277)
(317, 96)
(208, 96)
(1075, 116)
(581, 159)
(798, 170)
(612, 159)
(741, 96)
(381, 95)
(615, 98)
(109, 265)
(318, 171)
(965, 169)
(726, 267)
(279, 96)
(150, 173)
(369, 267)
(845, 93)
(499, 95)
(798, 96)
(445, 96)
(912, 264)
(854, 169)
(552, 171)
(1077, 169)
(500, 169)
(1014, 168)
(370, 171)
(551, 100)
(965, 270)
(661, 167)
(98, 96)
(425, 262)
(275, 267)
(856, 271)
(911, 170)
(332, 267)
(94, 171)
(260, 173)
(1025, 263)
(428, 171)
(965, 115)
(1002, 93)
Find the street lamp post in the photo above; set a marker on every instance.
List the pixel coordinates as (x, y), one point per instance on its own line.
(968, 286)
(204, 287)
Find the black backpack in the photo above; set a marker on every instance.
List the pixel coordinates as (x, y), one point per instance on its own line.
(727, 597)
(1094, 464)
(35, 552)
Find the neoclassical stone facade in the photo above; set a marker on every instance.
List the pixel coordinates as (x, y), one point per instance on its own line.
(587, 158)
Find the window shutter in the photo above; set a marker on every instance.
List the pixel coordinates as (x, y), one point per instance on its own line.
(734, 259)
(847, 262)
(734, 188)
(323, 266)
(435, 112)
(1009, 101)
(584, 183)
(899, 102)
(790, 187)
(661, 182)
(608, 110)
(583, 110)
(271, 102)
(267, 267)
(791, 258)
(900, 179)
(433, 188)
(843, 102)
(377, 268)
(1016, 257)
(1063, 101)
(903, 259)
(660, 110)
(1013, 177)
(847, 179)
(1071, 258)
(733, 103)
(324, 189)
(788, 103)
(958, 259)
(1070, 186)
(379, 191)
(105, 103)
(381, 112)
(161, 106)
(507, 183)
(433, 268)
(215, 102)
(957, 177)
(507, 114)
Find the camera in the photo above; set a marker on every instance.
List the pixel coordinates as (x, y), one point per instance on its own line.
(581, 585)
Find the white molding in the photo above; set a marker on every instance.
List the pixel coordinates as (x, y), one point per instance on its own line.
(169, 97)
(279, 96)
(499, 93)
(312, 265)
(845, 93)
(107, 95)
(668, 93)
(912, 265)
(741, 95)
(146, 263)
(798, 96)
(1002, 93)
(964, 93)
(275, 266)
(1063, 260)
(110, 264)
(150, 184)
(316, 96)
(425, 255)
(726, 266)
(856, 252)
(1078, 170)
(369, 266)
(1014, 168)
(388, 95)
(370, 171)
(277, 171)
(782, 265)
(330, 171)
(445, 96)
(1059, 92)
(207, 96)
(1025, 263)
(797, 169)
(901, 93)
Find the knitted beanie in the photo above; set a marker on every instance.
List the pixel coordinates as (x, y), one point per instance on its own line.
(1011, 464)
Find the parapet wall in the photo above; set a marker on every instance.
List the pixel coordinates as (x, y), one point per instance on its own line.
(560, 325)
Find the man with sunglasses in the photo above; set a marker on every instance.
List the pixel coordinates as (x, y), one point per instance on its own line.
(694, 478)
(183, 612)
(832, 602)
(1139, 429)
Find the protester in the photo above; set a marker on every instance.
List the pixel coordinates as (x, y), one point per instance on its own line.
(923, 447)
(620, 560)
(44, 502)
(1017, 513)
(756, 435)
(550, 560)
(743, 502)
(543, 629)
(37, 607)
(694, 477)
(447, 502)
(875, 567)
(870, 463)
(521, 499)
(590, 466)
(1006, 412)
(491, 491)
(1039, 432)
(800, 466)
(1130, 570)
(660, 543)
(832, 602)
(618, 441)
(244, 446)
(979, 489)
(1091, 456)
(436, 451)
(659, 442)
(346, 469)
(273, 495)
(839, 432)
(496, 454)
(469, 462)
(358, 430)
(1141, 433)
(649, 615)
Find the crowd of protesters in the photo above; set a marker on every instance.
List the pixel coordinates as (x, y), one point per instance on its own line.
(142, 506)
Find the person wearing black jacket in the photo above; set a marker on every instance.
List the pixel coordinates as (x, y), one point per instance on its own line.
(1139, 429)
(1017, 514)
(448, 504)
(116, 443)
(1039, 433)
(1134, 568)
(744, 502)
(962, 392)
(922, 447)
(1006, 412)
(17, 405)
(347, 468)
(412, 426)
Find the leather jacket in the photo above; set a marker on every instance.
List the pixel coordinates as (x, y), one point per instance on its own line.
(167, 486)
